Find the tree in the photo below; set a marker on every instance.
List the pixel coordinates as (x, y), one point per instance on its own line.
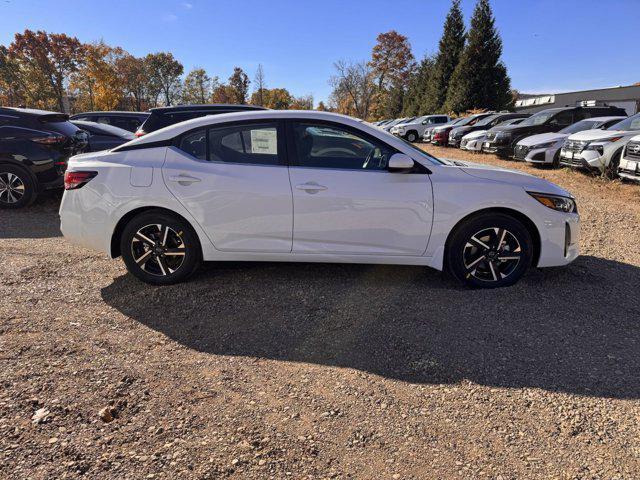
(322, 107)
(223, 94)
(450, 50)
(258, 97)
(391, 64)
(164, 72)
(135, 81)
(480, 80)
(353, 89)
(97, 84)
(47, 59)
(239, 84)
(417, 90)
(197, 87)
(304, 102)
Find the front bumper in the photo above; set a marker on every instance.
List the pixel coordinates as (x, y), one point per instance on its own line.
(586, 159)
(560, 242)
(629, 169)
(500, 149)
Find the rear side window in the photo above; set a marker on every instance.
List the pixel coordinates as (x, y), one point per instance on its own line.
(255, 144)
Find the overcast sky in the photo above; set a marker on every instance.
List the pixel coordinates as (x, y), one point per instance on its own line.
(549, 45)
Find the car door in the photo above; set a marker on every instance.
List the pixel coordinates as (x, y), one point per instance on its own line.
(233, 179)
(346, 201)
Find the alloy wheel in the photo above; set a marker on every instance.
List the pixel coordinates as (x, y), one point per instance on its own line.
(158, 249)
(492, 254)
(11, 188)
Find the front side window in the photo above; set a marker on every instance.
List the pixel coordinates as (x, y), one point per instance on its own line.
(330, 146)
(563, 118)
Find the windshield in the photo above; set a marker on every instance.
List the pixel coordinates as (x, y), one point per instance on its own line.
(467, 121)
(487, 120)
(631, 123)
(580, 126)
(539, 118)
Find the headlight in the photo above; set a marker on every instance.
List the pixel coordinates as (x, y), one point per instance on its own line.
(556, 202)
(598, 144)
(543, 145)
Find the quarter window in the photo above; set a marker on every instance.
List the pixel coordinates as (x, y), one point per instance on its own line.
(329, 146)
(195, 144)
(253, 144)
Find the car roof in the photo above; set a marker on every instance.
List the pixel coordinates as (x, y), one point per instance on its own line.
(112, 112)
(212, 107)
(29, 111)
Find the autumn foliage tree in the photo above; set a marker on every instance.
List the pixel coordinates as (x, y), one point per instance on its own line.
(239, 86)
(197, 87)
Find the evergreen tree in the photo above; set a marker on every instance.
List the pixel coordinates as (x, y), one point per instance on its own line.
(417, 90)
(450, 50)
(480, 80)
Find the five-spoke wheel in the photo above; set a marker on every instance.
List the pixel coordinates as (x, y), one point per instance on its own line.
(490, 250)
(160, 248)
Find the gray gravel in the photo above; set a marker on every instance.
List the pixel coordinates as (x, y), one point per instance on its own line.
(322, 371)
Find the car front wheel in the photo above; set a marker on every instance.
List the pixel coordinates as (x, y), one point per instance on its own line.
(490, 251)
(160, 248)
(412, 137)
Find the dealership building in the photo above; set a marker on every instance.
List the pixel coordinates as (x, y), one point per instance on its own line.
(623, 97)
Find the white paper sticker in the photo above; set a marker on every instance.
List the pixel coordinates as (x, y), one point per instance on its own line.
(264, 141)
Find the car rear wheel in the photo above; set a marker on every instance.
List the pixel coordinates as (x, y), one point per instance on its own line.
(412, 137)
(160, 248)
(490, 251)
(17, 189)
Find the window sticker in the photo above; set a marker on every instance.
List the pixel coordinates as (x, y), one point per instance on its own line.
(264, 141)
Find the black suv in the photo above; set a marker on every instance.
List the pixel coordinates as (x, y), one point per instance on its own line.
(456, 134)
(502, 140)
(130, 121)
(164, 116)
(34, 148)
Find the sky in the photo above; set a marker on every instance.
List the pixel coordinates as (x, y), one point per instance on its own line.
(550, 46)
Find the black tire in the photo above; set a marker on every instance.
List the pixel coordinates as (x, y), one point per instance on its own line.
(501, 264)
(17, 187)
(556, 160)
(412, 137)
(170, 258)
(611, 170)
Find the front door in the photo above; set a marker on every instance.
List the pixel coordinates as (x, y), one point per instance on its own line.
(347, 202)
(234, 181)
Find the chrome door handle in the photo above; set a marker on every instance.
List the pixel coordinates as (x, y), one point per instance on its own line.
(311, 187)
(183, 179)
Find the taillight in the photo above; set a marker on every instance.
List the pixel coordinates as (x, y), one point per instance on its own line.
(140, 133)
(73, 180)
(50, 139)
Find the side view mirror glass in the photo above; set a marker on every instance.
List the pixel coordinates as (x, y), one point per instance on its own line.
(399, 163)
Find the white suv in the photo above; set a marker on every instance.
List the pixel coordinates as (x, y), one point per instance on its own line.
(600, 149)
(412, 131)
(629, 168)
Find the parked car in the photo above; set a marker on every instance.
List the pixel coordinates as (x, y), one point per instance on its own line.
(473, 141)
(412, 131)
(440, 135)
(629, 168)
(34, 148)
(164, 116)
(486, 123)
(388, 126)
(220, 188)
(427, 136)
(503, 140)
(129, 121)
(599, 150)
(544, 148)
(102, 136)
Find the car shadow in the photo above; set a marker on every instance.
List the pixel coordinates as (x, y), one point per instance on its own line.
(573, 329)
(39, 220)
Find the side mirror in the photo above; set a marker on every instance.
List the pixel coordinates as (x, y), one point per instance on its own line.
(400, 163)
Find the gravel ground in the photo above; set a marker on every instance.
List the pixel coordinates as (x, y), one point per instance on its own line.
(322, 371)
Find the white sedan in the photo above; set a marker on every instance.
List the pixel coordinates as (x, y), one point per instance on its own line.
(305, 186)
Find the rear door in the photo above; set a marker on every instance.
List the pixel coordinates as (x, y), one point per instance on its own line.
(346, 201)
(233, 179)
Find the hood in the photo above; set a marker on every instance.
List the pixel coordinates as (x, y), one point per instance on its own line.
(542, 138)
(476, 134)
(597, 134)
(443, 128)
(512, 177)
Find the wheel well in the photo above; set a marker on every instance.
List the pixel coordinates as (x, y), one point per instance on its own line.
(122, 223)
(522, 218)
(25, 169)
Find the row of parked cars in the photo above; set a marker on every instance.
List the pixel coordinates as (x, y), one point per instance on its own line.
(601, 138)
(35, 145)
